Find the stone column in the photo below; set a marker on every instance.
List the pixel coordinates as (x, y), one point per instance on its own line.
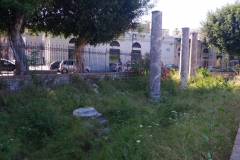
(184, 58)
(106, 60)
(193, 54)
(155, 54)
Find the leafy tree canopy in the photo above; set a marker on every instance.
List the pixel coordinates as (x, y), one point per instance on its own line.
(221, 29)
(11, 23)
(11, 8)
(94, 21)
(89, 21)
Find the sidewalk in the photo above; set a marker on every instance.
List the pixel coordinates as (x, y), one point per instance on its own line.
(236, 148)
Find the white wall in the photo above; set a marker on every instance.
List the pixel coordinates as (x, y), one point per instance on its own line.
(101, 62)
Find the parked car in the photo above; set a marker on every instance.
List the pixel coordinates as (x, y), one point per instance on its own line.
(7, 65)
(70, 65)
(55, 65)
(115, 67)
(213, 69)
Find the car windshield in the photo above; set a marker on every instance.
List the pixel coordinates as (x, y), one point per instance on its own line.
(6, 62)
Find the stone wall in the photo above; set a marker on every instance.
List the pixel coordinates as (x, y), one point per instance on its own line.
(14, 83)
(231, 75)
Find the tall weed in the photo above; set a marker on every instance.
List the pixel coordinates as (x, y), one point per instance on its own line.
(41, 125)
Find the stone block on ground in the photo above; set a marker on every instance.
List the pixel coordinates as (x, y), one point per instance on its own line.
(88, 112)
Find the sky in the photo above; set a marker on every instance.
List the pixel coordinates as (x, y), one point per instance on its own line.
(185, 13)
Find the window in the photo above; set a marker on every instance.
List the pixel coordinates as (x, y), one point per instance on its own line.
(72, 41)
(136, 55)
(205, 50)
(114, 43)
(71, 52)
(136, 45)
(114, 54)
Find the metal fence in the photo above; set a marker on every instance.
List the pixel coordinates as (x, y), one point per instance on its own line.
(40, 56)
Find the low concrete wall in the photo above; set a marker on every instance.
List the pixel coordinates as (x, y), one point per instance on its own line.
(14, 83)
(225, 75)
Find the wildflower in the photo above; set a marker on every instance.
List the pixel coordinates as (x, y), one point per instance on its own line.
(141, 126)
(138, 141)
(150, 135)
(157, 124)
(149, 126)
(140, 135)
(12, 130)
(170, 118)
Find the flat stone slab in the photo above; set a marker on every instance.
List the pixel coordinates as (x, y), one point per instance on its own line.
(87, 112)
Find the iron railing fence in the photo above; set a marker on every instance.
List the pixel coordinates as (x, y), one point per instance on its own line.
(40, 57)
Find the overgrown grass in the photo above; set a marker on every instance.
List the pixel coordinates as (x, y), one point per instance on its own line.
(37, 123)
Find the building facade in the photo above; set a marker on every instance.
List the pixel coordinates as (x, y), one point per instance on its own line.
(129, 47)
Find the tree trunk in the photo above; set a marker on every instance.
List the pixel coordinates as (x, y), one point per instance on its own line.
(18, 46)
(79, 52)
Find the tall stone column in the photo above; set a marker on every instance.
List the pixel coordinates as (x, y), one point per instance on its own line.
(155, 54)
(184, 58)
(193, 54)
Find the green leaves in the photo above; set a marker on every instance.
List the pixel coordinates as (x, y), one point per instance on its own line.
(91, 20)
(208, 133)
(11, 8)
(222, 29)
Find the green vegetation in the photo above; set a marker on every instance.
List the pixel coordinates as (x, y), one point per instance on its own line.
(88, 21)
(221, 29)
(37, 123)
(13, 20)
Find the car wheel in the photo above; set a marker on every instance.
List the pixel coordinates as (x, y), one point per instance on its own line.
(126, 70)
(64, 71)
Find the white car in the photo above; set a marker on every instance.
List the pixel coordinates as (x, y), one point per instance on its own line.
(70, 65)
(213, 69)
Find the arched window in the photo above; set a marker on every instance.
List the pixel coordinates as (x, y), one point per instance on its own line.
(72, 41)
(136, 45)
(205, 50)
(114, 43)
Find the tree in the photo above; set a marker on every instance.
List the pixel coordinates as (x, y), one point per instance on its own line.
(221, 29)
(89, 21)
(11, 21)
